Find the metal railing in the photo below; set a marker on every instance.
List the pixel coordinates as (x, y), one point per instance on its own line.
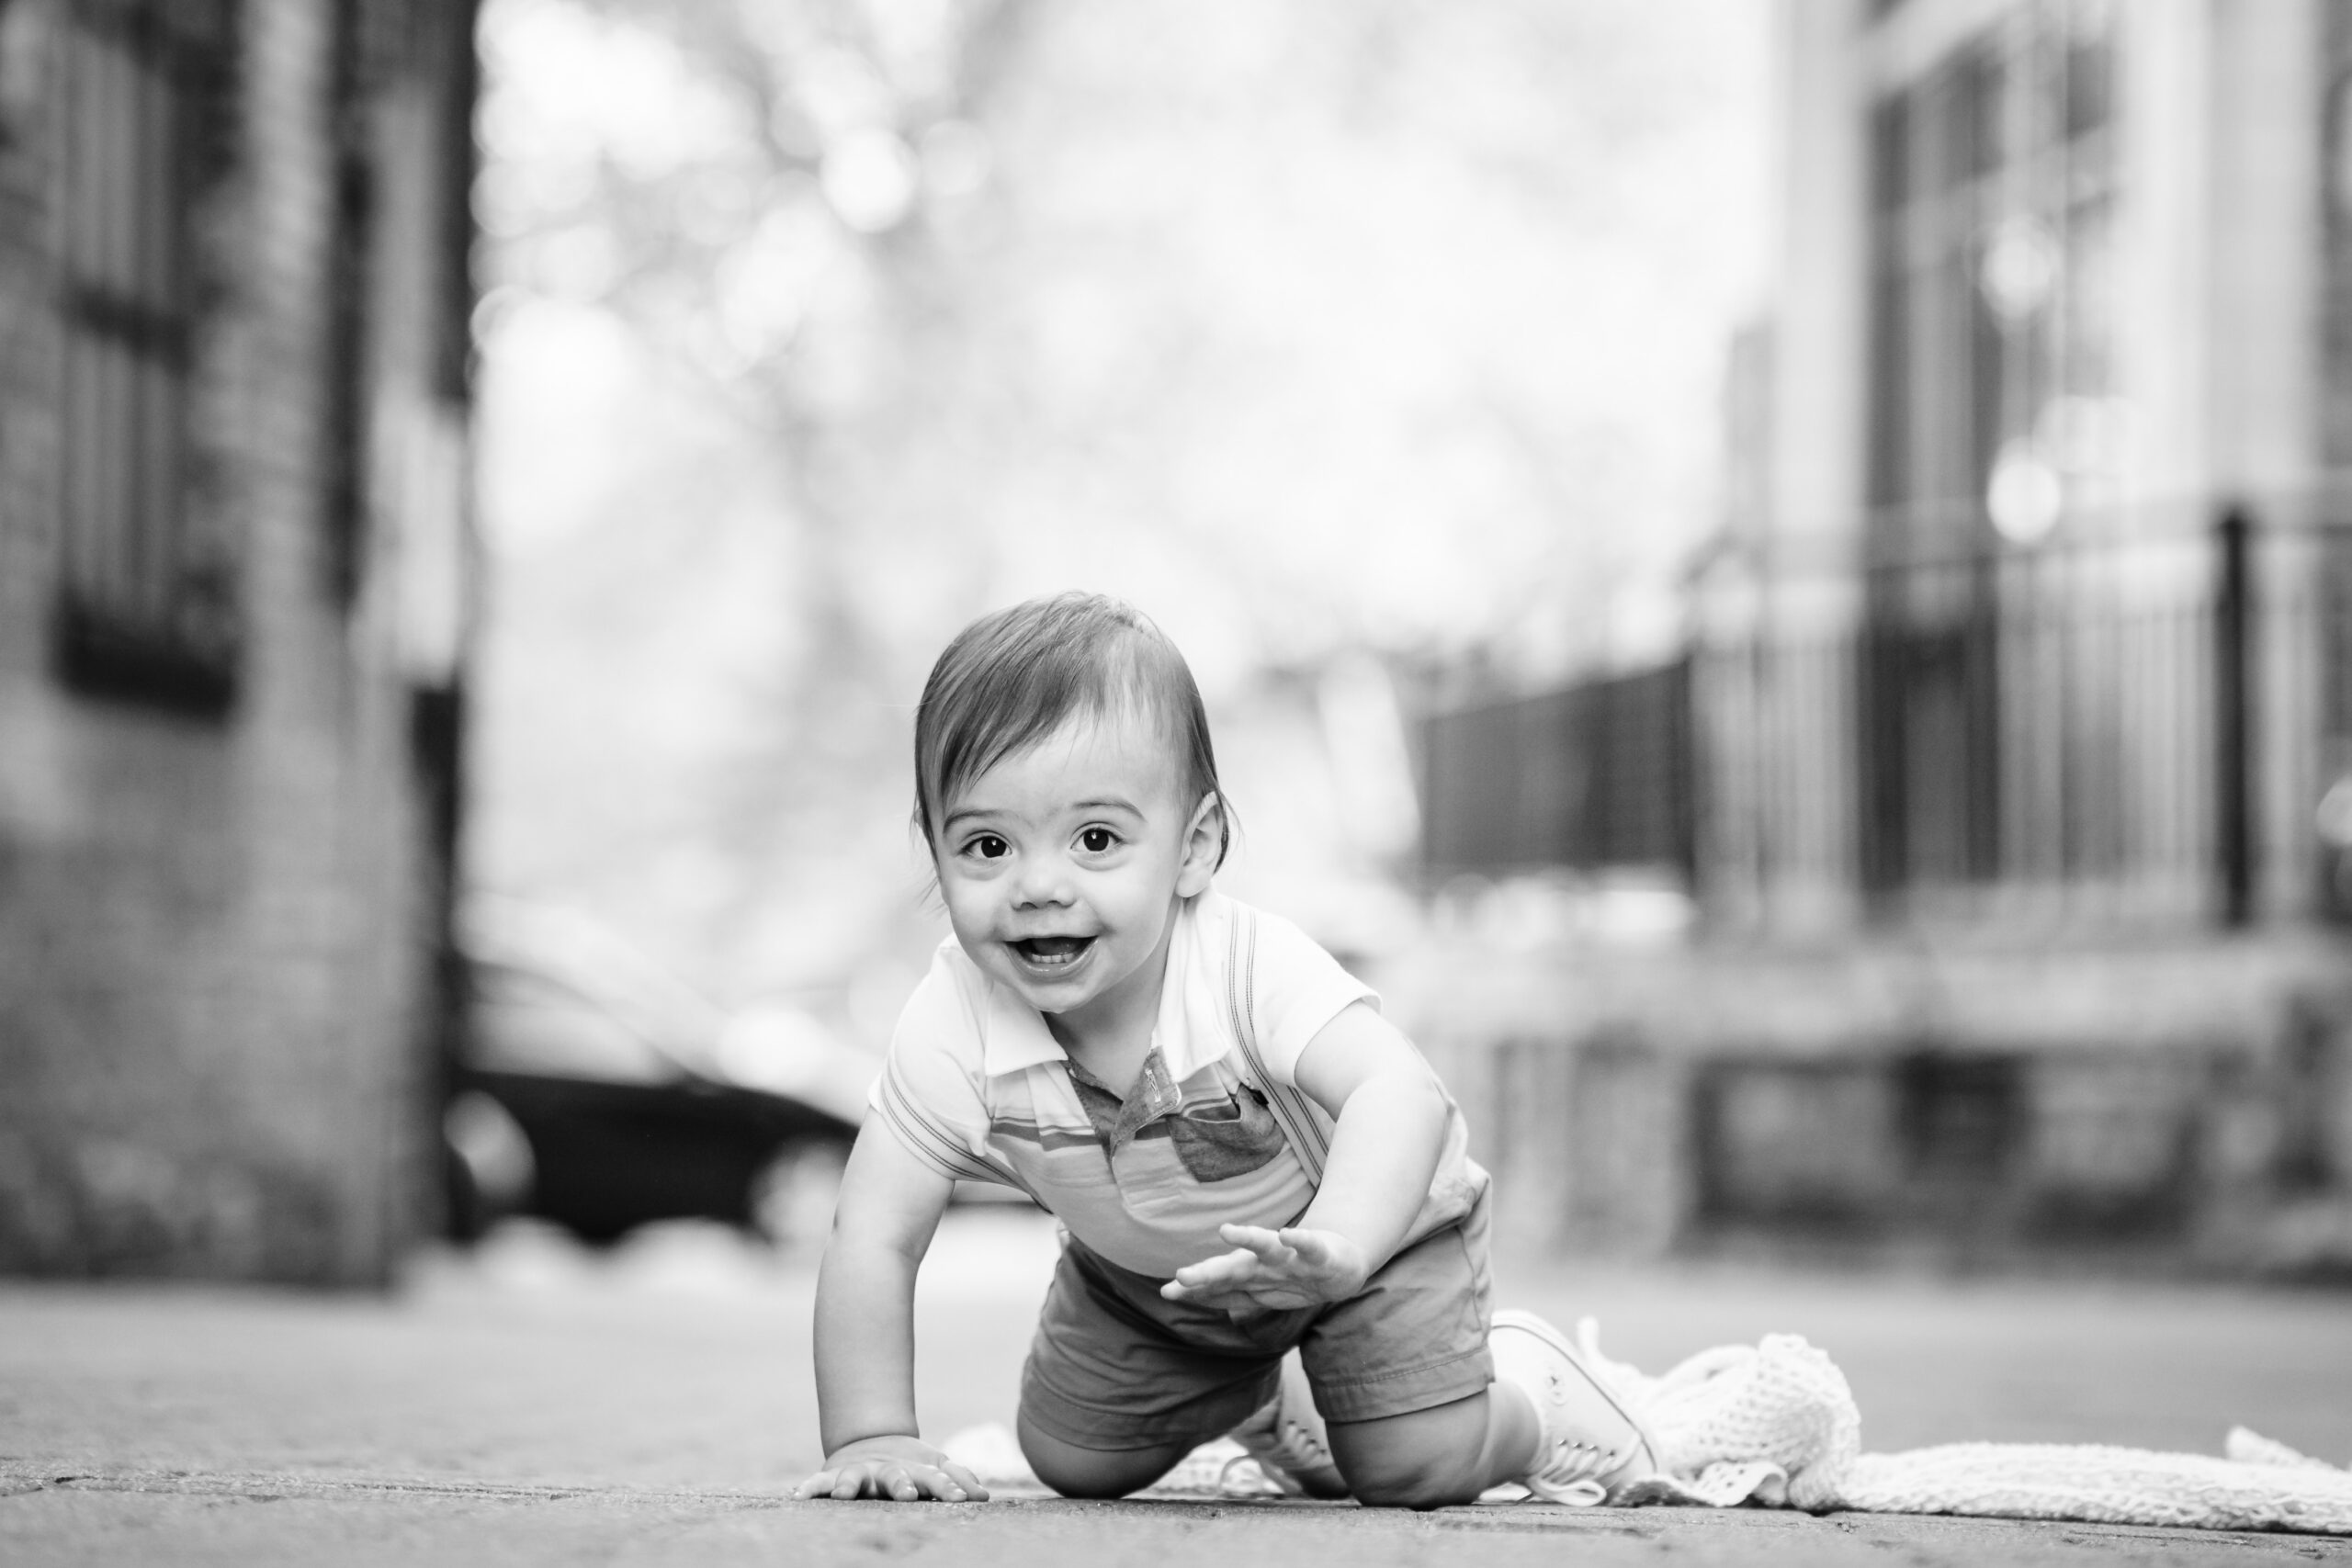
(2155, 715)
(2151, 715)
(1595, 776)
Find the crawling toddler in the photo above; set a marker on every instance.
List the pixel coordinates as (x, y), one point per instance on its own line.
(1245, 1156)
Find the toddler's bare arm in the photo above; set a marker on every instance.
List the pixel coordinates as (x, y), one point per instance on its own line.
(890, 1205)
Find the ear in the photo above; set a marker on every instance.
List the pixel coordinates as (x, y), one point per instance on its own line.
(1204, 838)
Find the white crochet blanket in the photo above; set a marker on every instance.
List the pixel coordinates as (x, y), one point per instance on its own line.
(1774, 1424)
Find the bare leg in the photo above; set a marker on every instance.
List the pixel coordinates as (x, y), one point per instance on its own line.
(1094, 1472)
(1446, 1454)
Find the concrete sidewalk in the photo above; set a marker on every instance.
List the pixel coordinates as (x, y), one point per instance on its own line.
(539, 1404)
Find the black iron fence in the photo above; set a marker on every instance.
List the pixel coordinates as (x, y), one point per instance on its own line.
(2164, 716)
(1596, 775)
(2149, 710)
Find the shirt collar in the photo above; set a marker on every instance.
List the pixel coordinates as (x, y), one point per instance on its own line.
(1015, 1035)
(1190, 1031)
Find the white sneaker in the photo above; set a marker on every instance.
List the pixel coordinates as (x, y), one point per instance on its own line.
(1589, 1444)
(1286, 1437)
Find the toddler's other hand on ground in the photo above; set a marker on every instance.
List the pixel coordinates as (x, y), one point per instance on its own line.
(1273, 1269)
(897, 1469)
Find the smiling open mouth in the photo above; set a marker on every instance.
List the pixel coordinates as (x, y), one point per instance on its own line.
(1053, 952)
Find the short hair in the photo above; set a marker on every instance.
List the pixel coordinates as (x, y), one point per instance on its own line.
(1015, 676)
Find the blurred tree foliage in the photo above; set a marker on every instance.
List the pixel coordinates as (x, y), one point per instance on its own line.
(1311, 326)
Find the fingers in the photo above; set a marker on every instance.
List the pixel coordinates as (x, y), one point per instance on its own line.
(1259, 1293)
(1259, 1298)
(895, 1482)
(1253, 1249)
(910, 1482)
(1314, 1248)
(1218, 1293)
(1210, 1274)
(963, 1477)
(935, 1482)
(1268, 1245)
(1267, 1268)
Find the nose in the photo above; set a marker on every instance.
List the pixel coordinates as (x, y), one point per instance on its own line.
(1044, 881)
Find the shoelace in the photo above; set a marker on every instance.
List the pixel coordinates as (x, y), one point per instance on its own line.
(1569, 1472)
(1221, 1469)
(1291, 1446)
(1581, 1493)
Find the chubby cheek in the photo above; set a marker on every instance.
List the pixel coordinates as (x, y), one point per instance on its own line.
(968, 908)
(1130, 917)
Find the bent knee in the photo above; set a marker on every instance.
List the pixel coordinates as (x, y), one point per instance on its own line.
(1087, 1484)
(1413, 1481)
(1086, 1476)
(1430, 1458)
(1092, 1474)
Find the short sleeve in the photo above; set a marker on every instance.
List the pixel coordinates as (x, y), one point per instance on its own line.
(929, 1091)
(1299, 988)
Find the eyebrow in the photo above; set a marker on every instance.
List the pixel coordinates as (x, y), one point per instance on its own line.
(1097, 802)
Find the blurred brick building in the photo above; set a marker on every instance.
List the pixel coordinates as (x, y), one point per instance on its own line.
(234, 570)
(2009, 773)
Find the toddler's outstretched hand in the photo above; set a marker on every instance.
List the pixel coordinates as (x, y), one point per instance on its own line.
(896, 1470)
(1273, 1269)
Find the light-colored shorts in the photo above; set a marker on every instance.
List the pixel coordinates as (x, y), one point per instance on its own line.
(1116, 1367)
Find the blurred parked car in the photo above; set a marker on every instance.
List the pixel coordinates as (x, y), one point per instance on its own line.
(596, 1092)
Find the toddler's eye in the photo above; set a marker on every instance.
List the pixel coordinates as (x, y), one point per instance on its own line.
(1097, 841)
(987, 846)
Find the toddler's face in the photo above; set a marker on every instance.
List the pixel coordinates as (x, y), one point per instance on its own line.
(1062, 867)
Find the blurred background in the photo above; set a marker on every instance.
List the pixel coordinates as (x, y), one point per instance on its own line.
(1771, 573)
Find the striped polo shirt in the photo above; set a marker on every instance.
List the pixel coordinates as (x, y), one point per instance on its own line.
(977, 1088)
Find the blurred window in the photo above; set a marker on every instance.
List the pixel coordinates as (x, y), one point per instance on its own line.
(147, 603)
(526, 1023)
(371, 43)
(1992, 194)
